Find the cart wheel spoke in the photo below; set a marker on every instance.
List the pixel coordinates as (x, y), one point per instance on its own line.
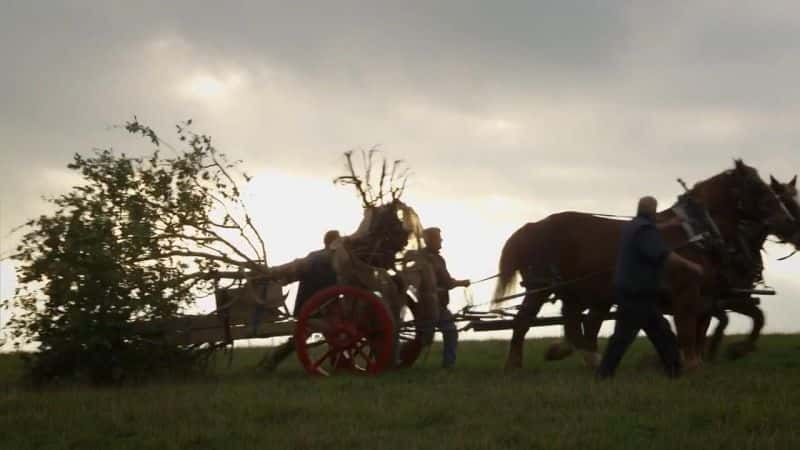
(359, 353)
(366, 356)
(322, 359)
(356, 326)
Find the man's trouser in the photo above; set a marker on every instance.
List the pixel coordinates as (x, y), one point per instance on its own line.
(634, 315)
(447, 325)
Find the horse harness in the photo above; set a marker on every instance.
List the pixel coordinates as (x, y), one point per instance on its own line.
(739, 258)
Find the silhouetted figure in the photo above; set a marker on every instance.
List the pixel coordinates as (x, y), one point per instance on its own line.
(320, 275)
(330, 237)
(637, 281)
(444, 282)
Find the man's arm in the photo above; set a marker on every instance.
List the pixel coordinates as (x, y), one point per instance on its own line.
(461, 283)
(675, 260)
(673, 222)
(655, 250)
(449, 281)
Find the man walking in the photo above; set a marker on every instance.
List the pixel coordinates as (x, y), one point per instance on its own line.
(637, 281)
(444, 282)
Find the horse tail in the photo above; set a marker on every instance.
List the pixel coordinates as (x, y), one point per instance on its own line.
(510, 259)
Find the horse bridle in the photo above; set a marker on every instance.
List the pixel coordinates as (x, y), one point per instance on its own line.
(768, 221)
(750, 226)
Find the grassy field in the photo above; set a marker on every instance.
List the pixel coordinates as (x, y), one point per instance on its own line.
(750, 403)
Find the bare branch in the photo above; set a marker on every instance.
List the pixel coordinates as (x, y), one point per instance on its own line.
(229, 216)
(196, 254)
(353, 179)
(224, 241)
(383, 178)
(258, 236)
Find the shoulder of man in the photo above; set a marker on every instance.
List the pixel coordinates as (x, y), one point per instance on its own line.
(434, 258)
(322, 254)
(641, 224)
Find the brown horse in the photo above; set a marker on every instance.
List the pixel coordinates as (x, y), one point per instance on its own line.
(744, 273)
(576, 252)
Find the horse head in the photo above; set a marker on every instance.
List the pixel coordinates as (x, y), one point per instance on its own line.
(761, 204)
(788, 196)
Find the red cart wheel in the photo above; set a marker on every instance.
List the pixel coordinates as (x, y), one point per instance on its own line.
(343, 328)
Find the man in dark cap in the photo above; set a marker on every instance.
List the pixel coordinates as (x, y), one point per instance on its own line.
(637, 281)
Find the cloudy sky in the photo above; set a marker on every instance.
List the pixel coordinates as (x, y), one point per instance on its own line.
(505, 112)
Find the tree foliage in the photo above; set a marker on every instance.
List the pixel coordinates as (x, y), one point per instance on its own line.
(139, 239)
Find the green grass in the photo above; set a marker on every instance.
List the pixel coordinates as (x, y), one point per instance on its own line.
(750, 403)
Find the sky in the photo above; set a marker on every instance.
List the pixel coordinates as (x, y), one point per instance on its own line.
(505, 111)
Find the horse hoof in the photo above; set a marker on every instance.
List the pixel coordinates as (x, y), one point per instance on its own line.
(513, 365)
(592, 359)
(692, 364)
(558, 351)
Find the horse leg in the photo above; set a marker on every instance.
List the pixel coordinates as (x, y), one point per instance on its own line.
(591, 328)
(719, 332)
(686, 325)
(573, 335)
(271, 360)
(749, 309)
(703, 323)
(529, 309)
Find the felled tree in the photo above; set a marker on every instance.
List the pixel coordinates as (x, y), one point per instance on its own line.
(139, 239)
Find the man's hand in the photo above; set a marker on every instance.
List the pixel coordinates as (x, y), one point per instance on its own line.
(462, 283)
(696, 268)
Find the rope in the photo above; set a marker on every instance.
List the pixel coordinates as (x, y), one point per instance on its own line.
(552, 286)
(612, 216)
(484, 279)
(691, 241)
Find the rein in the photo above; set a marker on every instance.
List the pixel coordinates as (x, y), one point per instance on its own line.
(697, 238)
(484, 279)
(611, 216)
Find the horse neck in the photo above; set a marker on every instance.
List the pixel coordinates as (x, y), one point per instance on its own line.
(754, 236)
(717, 195)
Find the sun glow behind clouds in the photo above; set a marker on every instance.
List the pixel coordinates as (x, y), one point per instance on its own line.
(204, 86)
(293, 212)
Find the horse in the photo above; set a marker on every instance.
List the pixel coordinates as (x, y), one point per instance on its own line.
(571, 255)
(746, 273)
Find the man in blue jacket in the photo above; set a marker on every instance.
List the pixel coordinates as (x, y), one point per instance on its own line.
(637, 281)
